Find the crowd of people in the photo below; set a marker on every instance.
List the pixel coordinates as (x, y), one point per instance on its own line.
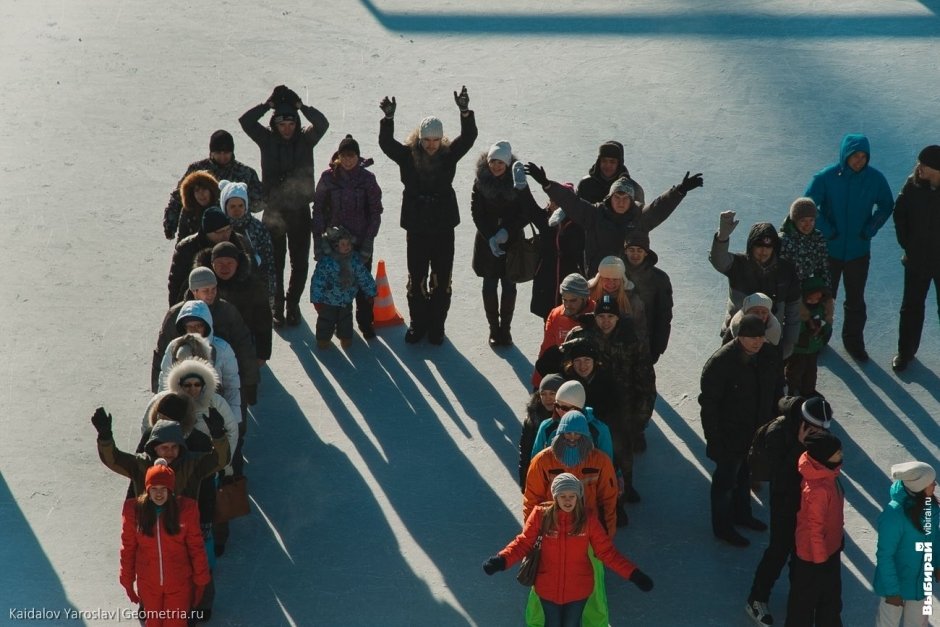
(606, 311)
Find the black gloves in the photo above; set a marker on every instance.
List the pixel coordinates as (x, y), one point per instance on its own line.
(494, 564)
(537, 173)
(690, 182)
(641, 580)
(102, 422)
(279, 94)
(215, 423)
(284, 94)
(462, 99)
(388, 107)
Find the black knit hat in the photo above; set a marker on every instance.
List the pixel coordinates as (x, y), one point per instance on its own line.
(226, 249)
(213, 219)
(638, 238)
(174, 407)
(579, 347)
(752, 326)
(607, 305)
(930, 157)
(221, 141)
(822, 445)
(348, 144)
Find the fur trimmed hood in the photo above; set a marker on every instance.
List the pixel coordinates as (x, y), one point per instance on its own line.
(194, 367)
(491, 187)
(190, 345)
(188, 423)
(428, 166)
(199, 178)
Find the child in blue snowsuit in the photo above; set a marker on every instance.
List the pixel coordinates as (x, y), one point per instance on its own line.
(338, 277)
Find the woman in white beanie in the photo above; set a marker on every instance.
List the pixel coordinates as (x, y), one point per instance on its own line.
(903, 528)
(565, 576)
(501, 205)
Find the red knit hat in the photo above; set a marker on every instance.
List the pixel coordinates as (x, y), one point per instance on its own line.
(160, 475)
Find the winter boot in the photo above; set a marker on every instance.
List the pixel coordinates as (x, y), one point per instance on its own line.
(630, 495)
(506, 309)
(292, 315)
(491, 308)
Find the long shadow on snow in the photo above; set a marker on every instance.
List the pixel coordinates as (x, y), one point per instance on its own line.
(445, 506)
(29, 581)
(720, 24)
(317, 548)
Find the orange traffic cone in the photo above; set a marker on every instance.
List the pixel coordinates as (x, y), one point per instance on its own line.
(384, 312)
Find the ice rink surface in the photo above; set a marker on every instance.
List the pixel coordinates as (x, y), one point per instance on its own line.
(382, 476)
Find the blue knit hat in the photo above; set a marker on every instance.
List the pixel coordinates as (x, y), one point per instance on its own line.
(573, 422)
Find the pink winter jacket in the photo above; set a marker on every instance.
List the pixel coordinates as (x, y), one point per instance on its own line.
(819, 521)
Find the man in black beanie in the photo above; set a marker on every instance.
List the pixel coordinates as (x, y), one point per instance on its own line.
(288, 188)
(224, 167)
(740, 389)
(608, 167)
(917, 224)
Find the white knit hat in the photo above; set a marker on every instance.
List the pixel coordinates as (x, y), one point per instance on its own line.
(915, 475)
(501, 151)
(571, 393)
(612, 268)
(757, 299)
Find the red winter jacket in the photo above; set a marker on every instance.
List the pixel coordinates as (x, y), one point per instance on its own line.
(819, 521)
(163, 561)
(565, 571)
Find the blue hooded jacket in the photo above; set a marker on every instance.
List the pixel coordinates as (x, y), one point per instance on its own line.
(846, 200)
(900, 566)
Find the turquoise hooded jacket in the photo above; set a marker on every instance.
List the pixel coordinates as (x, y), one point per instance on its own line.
(846, 201)
(900, 566)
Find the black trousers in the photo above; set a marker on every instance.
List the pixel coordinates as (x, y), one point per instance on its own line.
(815, 593)
(783, 511)
(730, 493)
(430, 266)
(854, 275)
(916, 285)
(801, 371)
(364, 304)
(290, 232)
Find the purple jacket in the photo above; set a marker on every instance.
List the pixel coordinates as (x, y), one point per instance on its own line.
(351, 199)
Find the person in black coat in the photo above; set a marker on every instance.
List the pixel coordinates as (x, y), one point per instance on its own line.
(758, 269)
(216, 228)
(739, 392)
(427, 163)
(500, 209)
(561, 252)
(608, 223)
(288, 185)
(784, 444)
(654, 288)
(917, 224)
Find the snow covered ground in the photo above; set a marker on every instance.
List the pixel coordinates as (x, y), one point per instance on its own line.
(383, 476)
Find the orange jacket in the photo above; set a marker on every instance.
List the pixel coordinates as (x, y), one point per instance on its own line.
(163, 561)
(819, 521)
(565, 572)
(596, 474)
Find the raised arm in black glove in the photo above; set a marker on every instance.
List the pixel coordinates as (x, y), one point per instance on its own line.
(641, 580)
(279, 95)
(494, 564)
(216, 424)
(102, 422)
(537, 173)
(690, 182)
(388, 107)
(462, 99)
